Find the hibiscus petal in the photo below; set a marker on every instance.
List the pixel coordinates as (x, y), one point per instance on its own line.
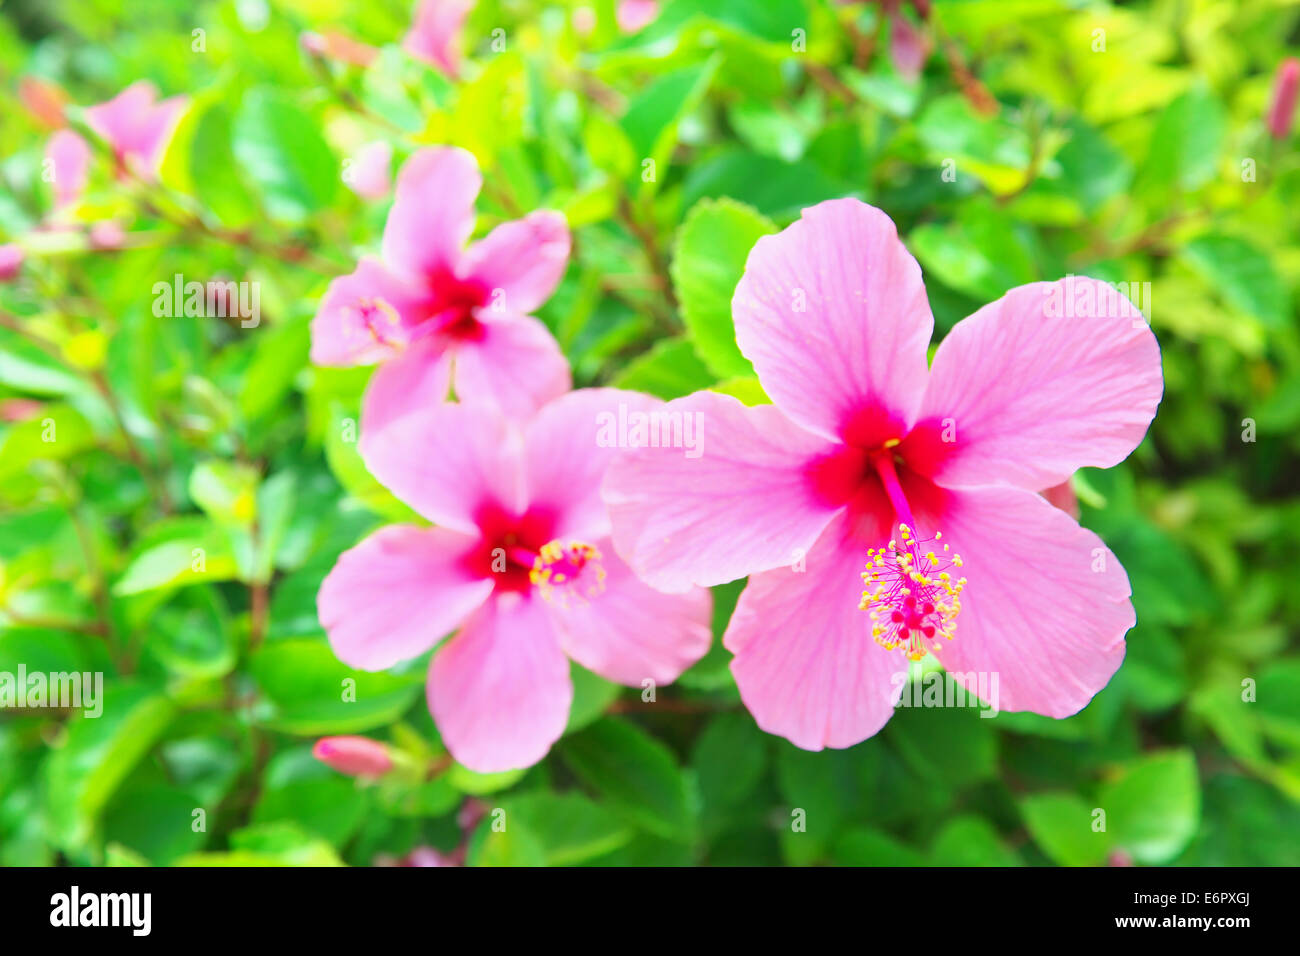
(521, 262)
(156, 129)
(397, 593)
(434, 36)
(834, 316)
(806, 665)
(1046, 604)
(433, 211)
(69, 158)
(630, 632)
(340, 333)
(739, 502)
(416, 379)
(1027, 394)
(500, 689)
(448, 462)
(569, 446)
(515, 366)
(120, 120)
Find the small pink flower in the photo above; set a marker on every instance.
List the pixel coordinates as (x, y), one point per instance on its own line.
(137, 127)
(436, 313)
(519, 564)
(633, 15)
(434, 36)
(908, 47)
(354, 756)
(369, 176)
(1285, 88)
(68, 156)
(11, 261)
(863, 439)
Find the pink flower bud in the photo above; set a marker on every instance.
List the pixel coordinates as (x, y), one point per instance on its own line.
(354, 756)
(1285, 87)
(11, 260)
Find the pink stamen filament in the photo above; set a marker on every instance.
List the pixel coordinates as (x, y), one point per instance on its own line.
(883, 460)
(910, 595)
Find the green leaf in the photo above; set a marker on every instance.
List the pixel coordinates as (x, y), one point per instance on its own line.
(329, 807)
(1242, 274)
(280, 354)
(982, 254)
(99, 753)
(310, 692)
(226, 491)
(1154, 808)
(729, 759)
(591, 695)
(862, 846)
(178, 551)
(1061, 825)
(1092, 169)
(1278, 697)
(345, 462)
(636, 775)
(26, 367)
(481, 784)
(948, 747)
(822, 792)
(515, 845)
(712, 247)
(670, 369)
(970, 841)
(568, 827)
(191, 635)
(200, 160)
(1186, 140)
(59, 432)
(282, 151)
(993, 149)
(285, 843)
(771, 186)
(156, 820)
(651, 119)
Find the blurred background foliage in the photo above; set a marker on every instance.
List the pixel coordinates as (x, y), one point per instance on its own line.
(1142, 158)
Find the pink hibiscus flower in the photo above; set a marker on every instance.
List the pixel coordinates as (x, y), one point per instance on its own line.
(810, 495)
(68, 157)
(520, 562)
(137, 127)
(437, 314)
(434, 36)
